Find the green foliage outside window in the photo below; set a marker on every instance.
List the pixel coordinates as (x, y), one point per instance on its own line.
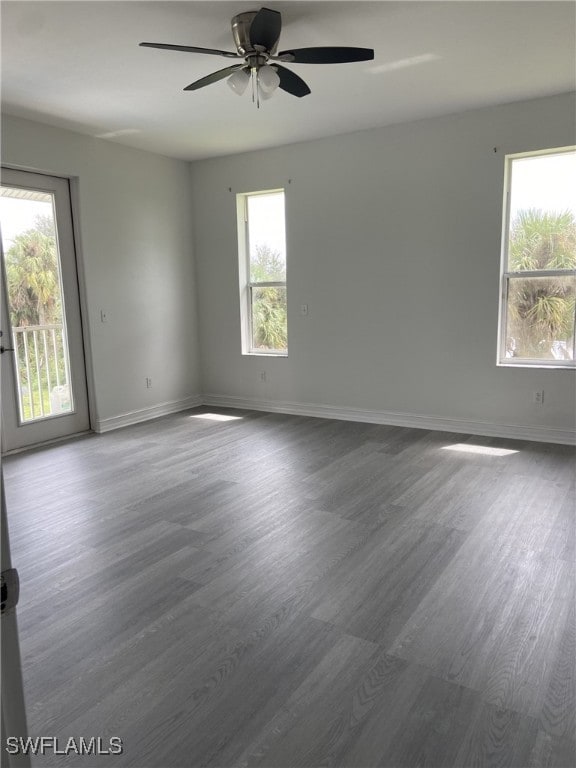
(541, 309)
(35, 304)
(32, 276)
(269, 310)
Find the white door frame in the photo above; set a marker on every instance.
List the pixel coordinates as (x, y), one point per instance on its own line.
(13, 705)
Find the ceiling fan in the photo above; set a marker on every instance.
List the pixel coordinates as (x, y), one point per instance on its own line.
(256, 35)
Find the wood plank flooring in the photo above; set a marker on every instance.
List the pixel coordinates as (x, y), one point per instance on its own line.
(276, 590)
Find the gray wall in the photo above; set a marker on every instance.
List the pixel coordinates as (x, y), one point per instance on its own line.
(134, 222)
(394, 243)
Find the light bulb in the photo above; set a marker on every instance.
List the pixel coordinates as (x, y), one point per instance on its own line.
(238, 81)
(268, 80)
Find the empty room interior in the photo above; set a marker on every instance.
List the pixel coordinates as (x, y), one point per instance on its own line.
(288, 387)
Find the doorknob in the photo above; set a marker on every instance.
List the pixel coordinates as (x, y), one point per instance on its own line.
(10, 582)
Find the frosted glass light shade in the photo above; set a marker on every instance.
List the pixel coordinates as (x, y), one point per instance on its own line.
(238, 81)
(268, 80)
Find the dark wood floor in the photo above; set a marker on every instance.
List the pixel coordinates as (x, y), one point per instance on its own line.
(285, 591)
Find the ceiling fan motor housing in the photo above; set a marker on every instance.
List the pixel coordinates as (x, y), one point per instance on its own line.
(241, 32)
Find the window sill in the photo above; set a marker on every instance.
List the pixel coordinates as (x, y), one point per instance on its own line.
(265, 354)
(566, 366)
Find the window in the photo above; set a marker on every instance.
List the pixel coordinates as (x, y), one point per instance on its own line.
(538, 289)
(262, 250)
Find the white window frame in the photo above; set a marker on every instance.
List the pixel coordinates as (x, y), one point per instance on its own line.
(506, 276)
(246, 286)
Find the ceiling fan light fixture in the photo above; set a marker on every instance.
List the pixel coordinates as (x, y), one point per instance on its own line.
(268, 80)
(263, 96)
(238, 81)
(256, 35)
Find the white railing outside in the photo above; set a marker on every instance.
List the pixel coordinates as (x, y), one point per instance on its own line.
(42, 371)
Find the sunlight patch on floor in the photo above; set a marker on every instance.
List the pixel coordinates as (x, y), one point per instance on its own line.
(487, 450)
(215, 416)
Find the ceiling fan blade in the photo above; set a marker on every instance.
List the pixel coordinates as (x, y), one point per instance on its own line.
(191, 49)
(265, 28)
(291, 82)
(213, 78)
(326, 55)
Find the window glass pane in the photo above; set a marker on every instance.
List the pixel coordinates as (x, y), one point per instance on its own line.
(267, 237)
(269, 326)
(542, 233)
(540, 318)
(35, 303)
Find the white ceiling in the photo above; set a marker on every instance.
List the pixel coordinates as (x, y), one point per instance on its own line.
(78, 65)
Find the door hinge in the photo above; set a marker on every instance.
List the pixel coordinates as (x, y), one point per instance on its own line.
(10, 588)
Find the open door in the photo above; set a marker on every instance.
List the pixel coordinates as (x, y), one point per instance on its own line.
(13, 708)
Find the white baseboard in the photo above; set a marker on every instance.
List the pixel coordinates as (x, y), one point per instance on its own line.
(145, 414)
(391, 418)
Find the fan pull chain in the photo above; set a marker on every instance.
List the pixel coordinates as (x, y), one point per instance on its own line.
(255, 89)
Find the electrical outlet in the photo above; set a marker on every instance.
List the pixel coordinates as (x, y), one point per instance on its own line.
(538, 397)
(262, 375)
(148, 382)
